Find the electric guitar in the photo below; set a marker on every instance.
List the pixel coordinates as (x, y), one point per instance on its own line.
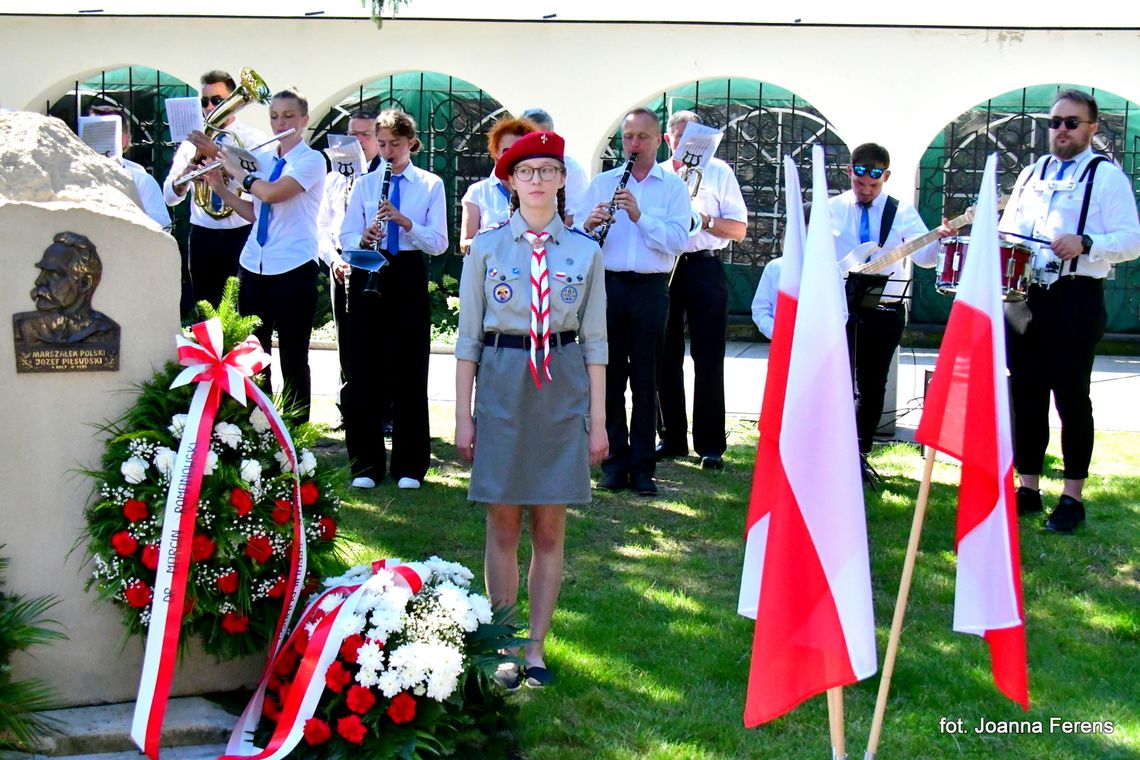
(857, 260)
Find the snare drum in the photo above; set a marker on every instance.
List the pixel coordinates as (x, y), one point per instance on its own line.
(1016, 273)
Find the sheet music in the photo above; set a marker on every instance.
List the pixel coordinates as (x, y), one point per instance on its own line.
(697, 145)
(103, 134)
(345, 155)
(184, 116)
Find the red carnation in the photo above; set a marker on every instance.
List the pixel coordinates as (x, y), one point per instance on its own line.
(188, 607)
(259, 549)
(403, 708)
(301, 642)
(124, 543)
(233, 623)
(270, 709)
(202, 548)
(282, 511)
(149, 556)
(350, 645)
(326, 528)
(317, 731)
(336, 677)
(242, 501)
(352, 729)
(277, 590)
(135, 510)
(138, 594)
(309, 493)
(286, 662)
(228, 583)
(360, 699)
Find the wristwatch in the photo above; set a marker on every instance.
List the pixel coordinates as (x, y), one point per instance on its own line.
(247, 183)
(1086, 243)
(709, 224)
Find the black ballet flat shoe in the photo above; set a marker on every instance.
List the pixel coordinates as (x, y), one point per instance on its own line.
(538, 677)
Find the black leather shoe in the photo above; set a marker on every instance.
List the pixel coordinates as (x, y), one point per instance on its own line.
(614, 481)
(1066, 516)
(667, 450)
(712, 463)
(871, 478)
(1028, 501)
(642, 484)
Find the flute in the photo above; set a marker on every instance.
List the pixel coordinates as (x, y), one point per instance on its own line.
(603, 229)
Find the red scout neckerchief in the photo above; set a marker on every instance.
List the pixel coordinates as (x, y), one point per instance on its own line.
(539, 305)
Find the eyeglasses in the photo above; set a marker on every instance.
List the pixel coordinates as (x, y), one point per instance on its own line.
(875, 171)
(1070, 122)
(214, 100)
(547, 173)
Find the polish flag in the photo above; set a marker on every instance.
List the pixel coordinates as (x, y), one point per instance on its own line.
(967, 416)
(814, 623)
(768, 473)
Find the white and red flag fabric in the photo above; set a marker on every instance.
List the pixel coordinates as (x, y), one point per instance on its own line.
(967, 416)
(814, 622)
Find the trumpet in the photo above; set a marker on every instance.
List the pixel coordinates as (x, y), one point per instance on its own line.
(599, 233)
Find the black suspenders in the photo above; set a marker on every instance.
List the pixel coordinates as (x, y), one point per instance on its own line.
(1086, 177)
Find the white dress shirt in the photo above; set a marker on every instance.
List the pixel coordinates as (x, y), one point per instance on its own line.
(421, 200)
(658, 237)
(493, 204)
(150, 194)
(576, 184)
(333, 205)
(719, 196)
(292, 234)
(845, 217)
(1045, 208)
(764, 302)
(186, 152)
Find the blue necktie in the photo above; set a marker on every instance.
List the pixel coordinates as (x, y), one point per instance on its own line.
(393, 241)
(1061, 169)
(267, 208)
(865, 223)
(216, 202)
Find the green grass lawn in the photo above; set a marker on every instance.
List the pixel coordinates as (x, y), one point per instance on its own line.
(652, 659)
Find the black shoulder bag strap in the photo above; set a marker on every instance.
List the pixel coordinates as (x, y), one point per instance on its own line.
(889, 210)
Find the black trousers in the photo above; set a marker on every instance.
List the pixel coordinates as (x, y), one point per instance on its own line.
(878, 333)
(341, 323)
(286, 303)
(698, 296)
(1051, 343)
(214, 259)
(636, 308)
(386, 359)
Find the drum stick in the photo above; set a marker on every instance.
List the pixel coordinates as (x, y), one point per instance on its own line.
(1030, 238)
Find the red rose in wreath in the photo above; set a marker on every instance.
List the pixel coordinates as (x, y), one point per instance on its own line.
(282, 511)
(135, 510)
(403, 708)
(228, 583)
(202, 548)
(309, 493)
(259, 549)
(149, 556)
(233, 623)
(317, 731)
(326, 528)
(242, 501)
(352, 729)
(138, 594)
(124, 543)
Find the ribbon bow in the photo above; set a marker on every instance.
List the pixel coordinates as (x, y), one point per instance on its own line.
(204, 362)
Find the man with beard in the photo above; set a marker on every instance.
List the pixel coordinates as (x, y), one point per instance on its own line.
(70, 270)
(1078, 228)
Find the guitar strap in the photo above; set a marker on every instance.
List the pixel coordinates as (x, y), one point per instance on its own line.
(889, 209)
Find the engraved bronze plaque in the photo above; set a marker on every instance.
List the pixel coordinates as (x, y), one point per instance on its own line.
(64, 334)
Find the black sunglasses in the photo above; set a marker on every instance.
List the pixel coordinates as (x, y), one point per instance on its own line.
(875, 171)
(214, 100)
(1070, 122)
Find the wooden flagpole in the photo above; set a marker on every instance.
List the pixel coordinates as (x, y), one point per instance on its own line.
(900, 606)
(835, 717)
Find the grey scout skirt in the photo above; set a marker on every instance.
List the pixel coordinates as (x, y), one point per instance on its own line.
(531, 444)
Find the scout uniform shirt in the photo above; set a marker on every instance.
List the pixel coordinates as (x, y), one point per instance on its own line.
(495, 290)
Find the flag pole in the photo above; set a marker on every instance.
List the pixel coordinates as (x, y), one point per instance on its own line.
(900, 606)
(835, 717)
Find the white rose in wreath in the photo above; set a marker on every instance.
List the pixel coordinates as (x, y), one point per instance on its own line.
(251, 470)
(134, 470)
(164, 460)
(229, 434)
(259, 421)
(308, 464)
(211, 462)
(177, 425)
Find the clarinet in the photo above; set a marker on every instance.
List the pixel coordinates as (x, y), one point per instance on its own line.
(603, 229)
(347, 194)
(385, 186)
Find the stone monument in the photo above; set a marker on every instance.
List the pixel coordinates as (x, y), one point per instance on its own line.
(91, 289)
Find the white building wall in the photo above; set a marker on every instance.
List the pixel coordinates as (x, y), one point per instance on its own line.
(893, 85)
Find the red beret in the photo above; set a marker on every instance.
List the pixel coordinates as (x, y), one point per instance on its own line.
(530, 145)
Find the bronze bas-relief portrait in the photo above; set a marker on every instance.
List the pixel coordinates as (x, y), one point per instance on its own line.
(65, 333)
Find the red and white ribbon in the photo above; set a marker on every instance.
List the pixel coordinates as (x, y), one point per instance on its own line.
(215, 375)
(539, 305)
(324, 642)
